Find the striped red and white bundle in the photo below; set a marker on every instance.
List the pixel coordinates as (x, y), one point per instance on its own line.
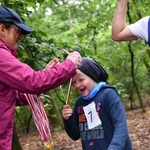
(39, 116)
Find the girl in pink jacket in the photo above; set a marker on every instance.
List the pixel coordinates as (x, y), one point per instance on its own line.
(17, 78)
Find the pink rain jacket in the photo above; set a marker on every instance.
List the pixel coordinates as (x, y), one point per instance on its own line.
(17, 78)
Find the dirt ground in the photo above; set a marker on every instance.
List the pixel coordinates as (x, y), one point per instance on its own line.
(138, 125)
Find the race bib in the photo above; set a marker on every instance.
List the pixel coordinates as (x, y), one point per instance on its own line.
(92, 117)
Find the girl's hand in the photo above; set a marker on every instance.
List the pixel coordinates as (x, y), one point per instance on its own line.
(67, 112)
(53, 63)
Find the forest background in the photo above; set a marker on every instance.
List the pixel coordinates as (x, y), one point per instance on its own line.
(84, 26)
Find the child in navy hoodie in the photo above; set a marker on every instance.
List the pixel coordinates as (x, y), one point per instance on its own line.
(99, 117)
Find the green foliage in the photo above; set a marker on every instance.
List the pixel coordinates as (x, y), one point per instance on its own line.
(22, 115)
(85, 26)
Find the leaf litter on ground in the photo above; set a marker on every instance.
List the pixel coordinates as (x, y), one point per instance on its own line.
(138, 126)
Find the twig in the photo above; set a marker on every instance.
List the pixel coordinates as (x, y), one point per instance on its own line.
(69, 89)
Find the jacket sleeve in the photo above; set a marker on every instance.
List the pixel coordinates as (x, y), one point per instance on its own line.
(118, 117)
(23, 78)
(20, 99)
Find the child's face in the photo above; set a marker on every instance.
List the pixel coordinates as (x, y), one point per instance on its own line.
(83, 84)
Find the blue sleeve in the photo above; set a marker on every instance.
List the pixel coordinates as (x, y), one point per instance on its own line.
(72, 128)
(118, 117)
(149, 32)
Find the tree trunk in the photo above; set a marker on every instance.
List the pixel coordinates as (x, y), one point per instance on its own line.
(133, 78)
(132, 68)
(55, 116)
(15, 143)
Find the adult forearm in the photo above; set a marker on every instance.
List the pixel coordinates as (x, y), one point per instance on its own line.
(119, 20)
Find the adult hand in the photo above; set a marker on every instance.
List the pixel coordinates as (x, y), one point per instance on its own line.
(67, 112)
(76, 58)
(53, 63)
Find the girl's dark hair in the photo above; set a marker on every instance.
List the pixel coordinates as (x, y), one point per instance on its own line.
(6, 24)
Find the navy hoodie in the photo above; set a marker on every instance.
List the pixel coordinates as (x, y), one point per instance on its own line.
(112, 134)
